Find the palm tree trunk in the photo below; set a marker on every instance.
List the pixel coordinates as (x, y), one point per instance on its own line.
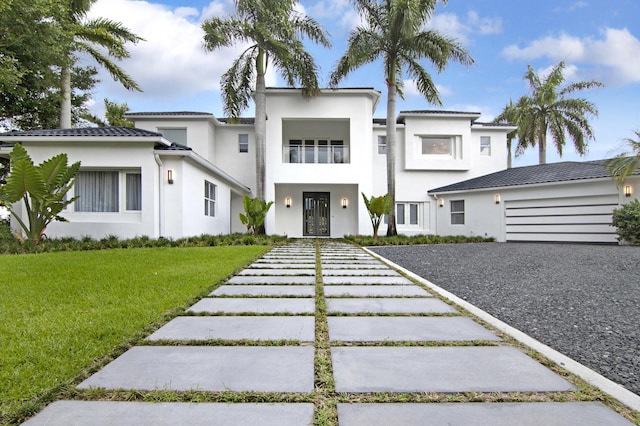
(260, 130)
(65, 104)
(509, 162)
(391, 151)
(542, 149)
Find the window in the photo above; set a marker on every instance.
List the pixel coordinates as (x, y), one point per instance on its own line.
(434, 145)
(178, 136)
(407, 214)
(98, 191)
(485, 145)
(134, 191)
(316, 151)
(382, 144)
(457, 212)
(210, 193)
(243, 142)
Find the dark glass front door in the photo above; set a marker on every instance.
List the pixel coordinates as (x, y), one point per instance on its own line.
(315, 214)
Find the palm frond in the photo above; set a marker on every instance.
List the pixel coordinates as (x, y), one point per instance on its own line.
(116, 72)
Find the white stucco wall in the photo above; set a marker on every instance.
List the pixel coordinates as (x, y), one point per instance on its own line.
(124, 156)
(240, 165)
(200, 131)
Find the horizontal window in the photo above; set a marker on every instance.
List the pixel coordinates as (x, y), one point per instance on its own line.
(407, 214)
(432, 145)
(99, 191)
(316, 151)
(177, 135)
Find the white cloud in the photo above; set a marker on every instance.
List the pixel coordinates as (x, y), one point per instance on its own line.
(172, 62)
(615, 56)
(410, 89)
(484, 25)
(341, 12)
(450, 25)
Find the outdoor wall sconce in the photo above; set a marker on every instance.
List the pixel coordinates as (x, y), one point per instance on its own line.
(441, 202)
(170, 176)
(344, 202)
(287, 202)
(627, 191)
(496, 198)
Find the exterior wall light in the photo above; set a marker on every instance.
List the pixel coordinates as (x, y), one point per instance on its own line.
(344, 203)
(496, 198)
(287, 202)
(170, 176)
(627, 190)
(441, 202)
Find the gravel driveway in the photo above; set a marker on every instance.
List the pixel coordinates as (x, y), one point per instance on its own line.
(582, 300)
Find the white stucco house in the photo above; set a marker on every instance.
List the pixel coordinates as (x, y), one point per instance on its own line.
(178, 174)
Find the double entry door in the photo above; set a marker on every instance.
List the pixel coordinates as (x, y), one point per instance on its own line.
(315, 214)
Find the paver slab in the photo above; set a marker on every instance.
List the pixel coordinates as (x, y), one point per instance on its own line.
(238, 328)
(389, 306)
(280, 271)
(354, 266)
(297, 280)
(209, 368)
(480, 414)
(284, 260)
(399, 280)
(282, 265)
(376, 329)
(441, 369)
(116, 413)
(360, 272)
(264, 290)
(258, 305)
(375, 290)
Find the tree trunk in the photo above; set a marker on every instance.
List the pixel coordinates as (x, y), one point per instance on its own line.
(391, 152)
(260, 131)
(542, 148)
(509, 163)
(65, 104)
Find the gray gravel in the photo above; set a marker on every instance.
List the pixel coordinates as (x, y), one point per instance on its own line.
(582, 300)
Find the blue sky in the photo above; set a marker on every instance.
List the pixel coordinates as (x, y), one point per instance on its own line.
(597, 39)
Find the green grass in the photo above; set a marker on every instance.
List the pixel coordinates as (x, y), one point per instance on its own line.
(63, 311)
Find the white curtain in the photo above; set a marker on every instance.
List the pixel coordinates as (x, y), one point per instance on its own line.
(134, 191)
(98, 191)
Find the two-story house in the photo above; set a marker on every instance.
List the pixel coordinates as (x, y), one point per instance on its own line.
(179, 174)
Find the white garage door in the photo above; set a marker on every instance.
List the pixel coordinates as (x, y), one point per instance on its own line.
(576, 219)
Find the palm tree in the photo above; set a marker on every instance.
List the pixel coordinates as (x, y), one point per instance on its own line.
(89, 36)
(274, 30)
(394, 31)
(549, 109)
(625, 165)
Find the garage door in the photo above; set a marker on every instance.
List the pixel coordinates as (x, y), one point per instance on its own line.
(576, 219)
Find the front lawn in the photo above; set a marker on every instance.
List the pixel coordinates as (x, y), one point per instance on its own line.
(59, 312)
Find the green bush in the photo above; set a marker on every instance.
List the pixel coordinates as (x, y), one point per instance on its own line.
(627, 221)
(400, 240)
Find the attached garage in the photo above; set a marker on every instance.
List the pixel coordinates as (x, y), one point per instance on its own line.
(570, 219)
(568, 202)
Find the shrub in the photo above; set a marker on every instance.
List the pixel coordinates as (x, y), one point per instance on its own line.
(627, 221)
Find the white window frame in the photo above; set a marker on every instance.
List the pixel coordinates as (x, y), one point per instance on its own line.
(210, 198)
(186, 134)
(121, 189)
(382, 144)
(457, 208)
(405, 219)
(312, 151)
(243, 143)
(485, 145)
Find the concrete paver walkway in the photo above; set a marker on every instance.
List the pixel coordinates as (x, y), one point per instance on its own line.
(279, 311)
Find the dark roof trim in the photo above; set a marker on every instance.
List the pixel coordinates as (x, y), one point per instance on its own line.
(169, 113)
(83, 132)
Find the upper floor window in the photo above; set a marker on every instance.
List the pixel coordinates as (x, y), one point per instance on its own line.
(382, 144)
(243, 142)
(437, 145)
(210, 196)
(316, 151)
(99, 191)
(176, 135)
(485, 145)
(457, 212)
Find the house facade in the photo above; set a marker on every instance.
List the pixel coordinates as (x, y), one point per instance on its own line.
(178, 174)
